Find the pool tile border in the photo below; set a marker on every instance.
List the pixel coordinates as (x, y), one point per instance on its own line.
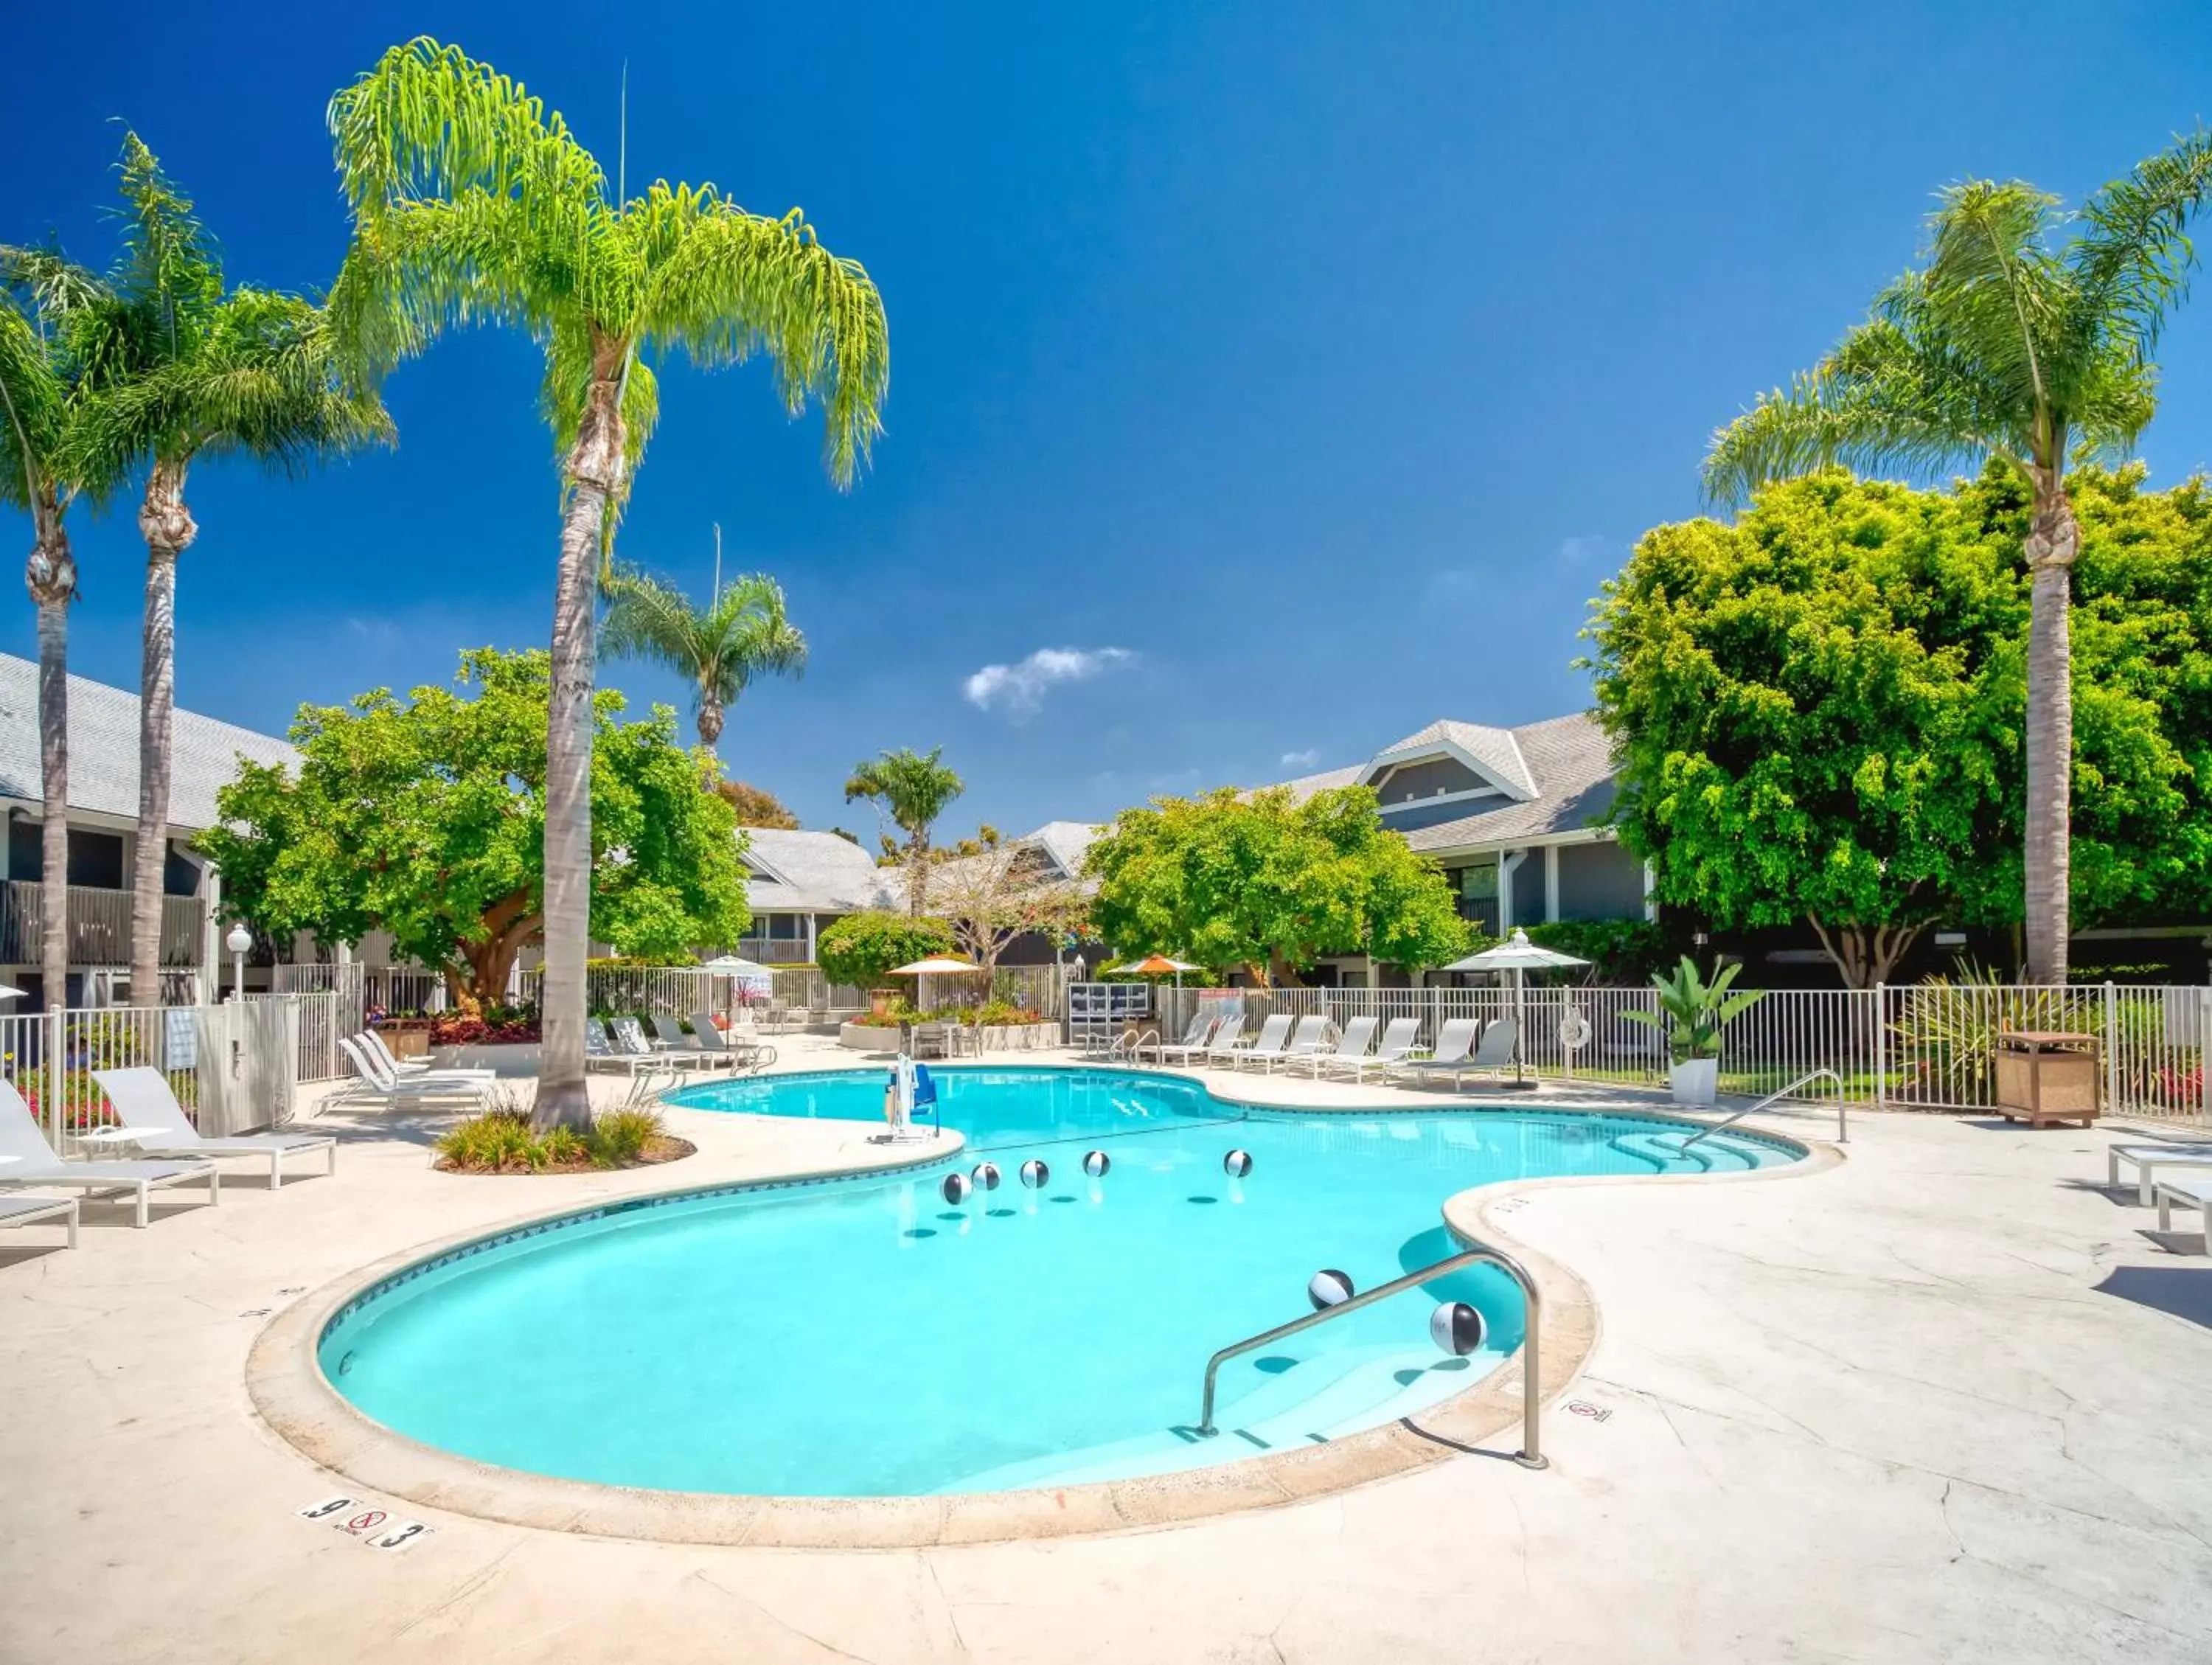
(285, 1381)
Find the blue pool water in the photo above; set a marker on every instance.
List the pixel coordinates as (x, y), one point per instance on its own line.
(863, 1338)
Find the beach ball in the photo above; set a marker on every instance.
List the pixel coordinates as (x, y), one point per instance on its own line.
(1457, 1329)
(1034, 1173)
(956, 1188)
(1328, 1287)
(1096, 1163)
(986, 1177)
(1236, 1163)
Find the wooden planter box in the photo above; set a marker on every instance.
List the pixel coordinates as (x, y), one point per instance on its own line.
(2045, 1076)
(408, 1037)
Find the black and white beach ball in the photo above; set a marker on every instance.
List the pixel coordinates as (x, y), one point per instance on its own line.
(986, 1177)
(1096, 1163)
(1236, 1163)
(956, 1187)
(1457, 1329)
(1036, 1175)
(1328, 1287)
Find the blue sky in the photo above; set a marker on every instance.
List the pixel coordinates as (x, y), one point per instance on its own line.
(1300, 370)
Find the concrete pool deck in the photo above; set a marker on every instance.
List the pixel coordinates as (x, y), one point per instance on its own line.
(1942, 1401)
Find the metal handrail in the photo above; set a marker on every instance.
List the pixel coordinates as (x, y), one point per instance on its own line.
(1528, 1456)
(1843, 1127)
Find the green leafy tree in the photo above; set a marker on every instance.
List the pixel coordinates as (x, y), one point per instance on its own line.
(756, 807)
(45, 470)
(1817, 711)
(742, 632)
(176, 368)
(2014, 340)
(1260, 881)
(425, 817)
(913, 789)
(859, 948)
(474, 204)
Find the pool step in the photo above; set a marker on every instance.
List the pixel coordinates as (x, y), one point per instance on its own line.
(1320, 1399)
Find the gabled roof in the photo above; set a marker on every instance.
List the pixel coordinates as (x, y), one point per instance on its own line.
(1570, 767)
(1489, 752)
(1065, 842)
(103, 741)
(1554, 776)
(813, 872)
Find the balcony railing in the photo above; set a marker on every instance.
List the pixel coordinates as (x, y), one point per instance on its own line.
(774, 951)
(99, 926)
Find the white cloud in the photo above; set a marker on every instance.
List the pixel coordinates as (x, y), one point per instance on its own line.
(1019, 689)
(1306, 759)
(1573, 551)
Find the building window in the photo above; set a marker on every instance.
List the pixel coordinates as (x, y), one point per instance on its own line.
(1476, 886)
(95, 860)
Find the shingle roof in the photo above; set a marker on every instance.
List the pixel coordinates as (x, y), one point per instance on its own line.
(1307, 785)
(1493, 750)
(1571, 767)
(103, 764)
(1564, 764)
(1065, 842)
(815, 873)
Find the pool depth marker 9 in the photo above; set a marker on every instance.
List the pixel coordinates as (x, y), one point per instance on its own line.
(1530, 1455)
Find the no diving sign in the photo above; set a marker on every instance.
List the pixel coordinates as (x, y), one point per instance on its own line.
(360, 1519)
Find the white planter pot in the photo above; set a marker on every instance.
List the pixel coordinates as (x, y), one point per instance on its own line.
(1694, 1083)
(511, 1059)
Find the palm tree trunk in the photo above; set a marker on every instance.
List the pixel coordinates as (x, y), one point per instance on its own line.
(917, 874)
(167, 527)
(2053, 539)
(51, 576)
(710, 720)
(594, 471)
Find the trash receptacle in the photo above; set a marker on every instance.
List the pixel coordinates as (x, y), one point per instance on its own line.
(2045, 1076)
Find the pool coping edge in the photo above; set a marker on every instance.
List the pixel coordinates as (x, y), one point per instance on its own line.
(289, 1391)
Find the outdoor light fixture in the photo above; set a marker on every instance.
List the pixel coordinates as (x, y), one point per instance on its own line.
(237, 942)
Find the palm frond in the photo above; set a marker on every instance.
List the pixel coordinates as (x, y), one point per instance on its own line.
(428, 121)
(1993, 289)
(171, 266)
(2133, 261)
(723, 284)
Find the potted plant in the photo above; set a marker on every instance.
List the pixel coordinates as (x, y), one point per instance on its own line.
(1691, 1014)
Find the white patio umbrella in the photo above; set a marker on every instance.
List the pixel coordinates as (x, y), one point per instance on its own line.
(8, 994)
(1519, 956)
(934, 965)
(733, 966)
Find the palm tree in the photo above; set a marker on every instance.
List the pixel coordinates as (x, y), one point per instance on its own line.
(742, 632)
(913, 790)
(179, 368)
(473, 202)
(2027, 335)
(39, 472)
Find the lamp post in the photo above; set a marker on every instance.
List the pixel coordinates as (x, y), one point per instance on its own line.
(237, 942)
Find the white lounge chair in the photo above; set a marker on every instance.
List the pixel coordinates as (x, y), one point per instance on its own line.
(730, 1046)
(22, 1211)
(1493, 1057)
(373, 1083)
(32, 1160)
(2190, 1191)
(407, 1068)
(1400, 1037)
(675, 1045)
(2148, 1159)
(1266, 1046)
(1193, 1041)
(150, 1111)
(1225, 1036)
(1350, 1046)
(1308, 1040)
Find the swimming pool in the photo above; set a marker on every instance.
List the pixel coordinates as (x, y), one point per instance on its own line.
(864, 1338)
